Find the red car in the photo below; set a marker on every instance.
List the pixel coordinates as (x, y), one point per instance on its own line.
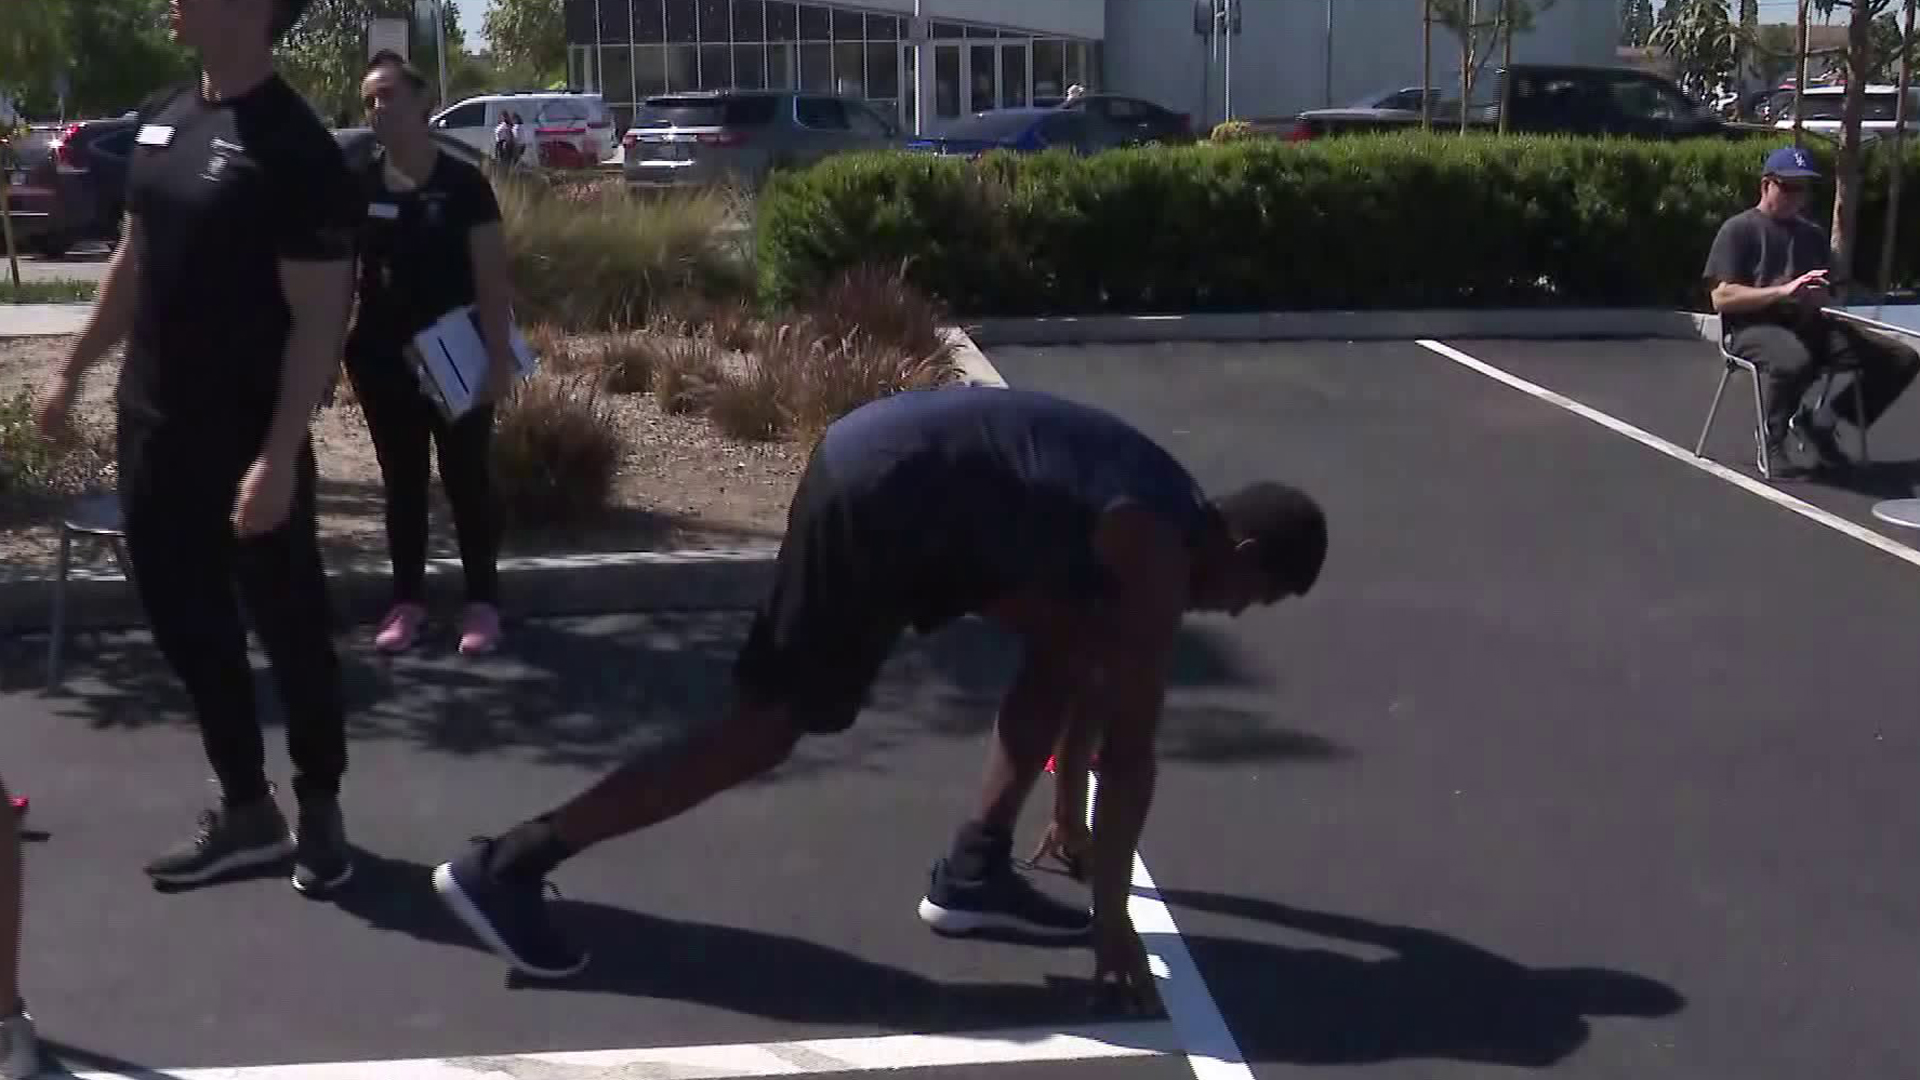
(67, 184)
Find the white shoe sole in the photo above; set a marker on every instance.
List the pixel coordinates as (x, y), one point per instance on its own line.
(447, 887)
(239, 860)
(956, 922)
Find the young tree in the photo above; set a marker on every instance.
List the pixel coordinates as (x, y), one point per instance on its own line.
(1847, 180)
(1480, 25)
(1636, 22)
(1705, 45)
(528, 35)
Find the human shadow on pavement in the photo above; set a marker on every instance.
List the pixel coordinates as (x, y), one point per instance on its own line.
(1433, 997)
(590, 692)
(733, 968)
(1873, 479)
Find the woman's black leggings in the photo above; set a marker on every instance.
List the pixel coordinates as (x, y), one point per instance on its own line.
(402, 421)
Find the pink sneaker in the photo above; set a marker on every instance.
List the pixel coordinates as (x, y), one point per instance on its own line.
(399, 629)
(479, 629)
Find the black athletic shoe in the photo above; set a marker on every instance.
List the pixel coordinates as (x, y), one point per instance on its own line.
(509, 916)
(1002, 899)
(229, 839)
(322, 861)
(1820, 439)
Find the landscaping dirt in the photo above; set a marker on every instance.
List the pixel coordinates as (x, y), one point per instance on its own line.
(683, 485)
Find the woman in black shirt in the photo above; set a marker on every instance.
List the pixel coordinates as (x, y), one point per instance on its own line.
(431, 244)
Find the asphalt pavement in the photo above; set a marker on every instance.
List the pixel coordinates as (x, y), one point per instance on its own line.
(1581, 761)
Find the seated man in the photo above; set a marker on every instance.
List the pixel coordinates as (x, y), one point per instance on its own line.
(1057, 521)
(1768, 272)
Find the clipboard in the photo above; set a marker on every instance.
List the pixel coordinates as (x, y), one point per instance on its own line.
(450, 360)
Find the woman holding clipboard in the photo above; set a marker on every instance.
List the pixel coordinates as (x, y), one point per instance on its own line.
(431, 245)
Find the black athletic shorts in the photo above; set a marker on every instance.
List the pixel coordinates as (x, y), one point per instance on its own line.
(832, 617)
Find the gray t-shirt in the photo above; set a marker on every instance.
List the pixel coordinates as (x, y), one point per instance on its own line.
(1757, 249)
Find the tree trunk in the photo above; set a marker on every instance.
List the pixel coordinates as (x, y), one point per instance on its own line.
(1426, 65)
(1800, 75)
(1506, 62)
(1897, 171)
(1466, 62)
(1846, 179)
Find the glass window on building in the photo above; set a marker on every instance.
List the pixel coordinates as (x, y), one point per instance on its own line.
(683, 20)
(716, 22)
(649, 21)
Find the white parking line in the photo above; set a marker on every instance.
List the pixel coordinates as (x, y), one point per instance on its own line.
(1212, 1053)
(1740, 480)
(875, 1054)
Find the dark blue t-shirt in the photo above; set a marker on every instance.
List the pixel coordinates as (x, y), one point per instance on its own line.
(969, 494)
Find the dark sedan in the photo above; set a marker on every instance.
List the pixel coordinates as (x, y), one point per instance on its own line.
(1027, 131)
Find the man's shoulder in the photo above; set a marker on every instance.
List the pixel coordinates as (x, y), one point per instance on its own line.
(1748, 220)
(157, 102)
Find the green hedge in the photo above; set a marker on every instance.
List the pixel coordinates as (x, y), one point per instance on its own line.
(1389, 221)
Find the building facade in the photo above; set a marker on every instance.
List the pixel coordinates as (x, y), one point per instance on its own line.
(963, 56)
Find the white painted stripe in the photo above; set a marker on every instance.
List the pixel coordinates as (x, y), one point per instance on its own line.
(873, 1054)
(1740, 480)
(1211, 1051)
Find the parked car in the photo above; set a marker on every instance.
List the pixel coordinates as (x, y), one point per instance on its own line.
(68, 183)
(1823, 108)
(565, 130)
(1546, 99)
(739, 136)
(1142, 121)
(1028, 131)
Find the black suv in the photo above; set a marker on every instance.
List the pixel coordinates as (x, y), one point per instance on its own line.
(1546, 100)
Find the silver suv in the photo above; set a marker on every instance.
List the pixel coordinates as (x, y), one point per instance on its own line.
(739, 136)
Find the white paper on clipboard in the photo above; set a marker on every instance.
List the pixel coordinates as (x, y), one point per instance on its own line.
(451, 359)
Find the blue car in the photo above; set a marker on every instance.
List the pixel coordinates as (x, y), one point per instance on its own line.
(1027, 131)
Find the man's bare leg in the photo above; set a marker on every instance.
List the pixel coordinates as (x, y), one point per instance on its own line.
(497, 889)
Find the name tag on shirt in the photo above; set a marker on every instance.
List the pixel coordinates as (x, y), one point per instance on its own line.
(154, 135)
(384, 211)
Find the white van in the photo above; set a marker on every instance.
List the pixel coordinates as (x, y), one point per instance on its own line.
(563, 131)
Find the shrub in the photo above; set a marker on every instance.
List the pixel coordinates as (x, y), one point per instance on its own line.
(1232, 131)
(844, 373)
(686, 372)
(31, 469)
(628, 360)
(1403, 220)
(599, 257)
(557, 448)
(882, 304)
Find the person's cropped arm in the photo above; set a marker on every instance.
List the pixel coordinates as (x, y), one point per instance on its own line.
(493, 289)
(111, 319)
(1733, 298)
(319, 295)
(1128, 690)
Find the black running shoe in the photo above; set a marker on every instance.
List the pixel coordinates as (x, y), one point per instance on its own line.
(1002, 899)
(1819, 438)
(322, 861)
(508, 915)
(229, 839)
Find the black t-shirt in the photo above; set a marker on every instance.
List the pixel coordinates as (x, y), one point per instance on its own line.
(415, 250)
(1757, 249)
(965, 495)
(223, 192)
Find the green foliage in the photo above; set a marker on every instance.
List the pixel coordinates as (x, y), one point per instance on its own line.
(596, 256)
(1390, 221)
(326, 53)
(32, 469)
(528, 36)
(63, 291)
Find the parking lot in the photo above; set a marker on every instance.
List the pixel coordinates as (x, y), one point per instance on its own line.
(1583, 759)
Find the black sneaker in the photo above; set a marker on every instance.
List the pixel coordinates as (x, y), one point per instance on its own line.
(508, 915)
(229, 839)
(321, 860)
(1003, 899)
(1820, 439)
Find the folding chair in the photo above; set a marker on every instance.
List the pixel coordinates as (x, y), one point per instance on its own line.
(1730, 362)
(96, 517)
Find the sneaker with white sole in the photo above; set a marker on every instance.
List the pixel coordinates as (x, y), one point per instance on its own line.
(1000, 899)
(19, 1047)
(230, 838)
(508, 915)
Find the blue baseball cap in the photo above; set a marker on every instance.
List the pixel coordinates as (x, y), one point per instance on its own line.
(1791, 163)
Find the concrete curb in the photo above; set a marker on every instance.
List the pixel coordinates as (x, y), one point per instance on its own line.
(719, 580)
(43, 320)
(1545, 323)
